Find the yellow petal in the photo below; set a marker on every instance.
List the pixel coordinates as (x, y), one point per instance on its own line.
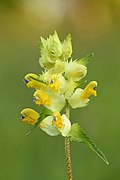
(29, 116)
(62, 123)
(42, 98)
(54, 82)
(32, 81)
(89, 90)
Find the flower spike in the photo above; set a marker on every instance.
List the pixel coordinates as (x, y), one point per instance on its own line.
(56, 89)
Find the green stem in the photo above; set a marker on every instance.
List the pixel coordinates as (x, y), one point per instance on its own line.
(67, 149)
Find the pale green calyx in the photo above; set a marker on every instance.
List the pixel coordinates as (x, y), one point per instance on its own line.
(75, 70)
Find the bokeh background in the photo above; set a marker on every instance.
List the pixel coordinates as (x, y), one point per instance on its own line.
(95, 27)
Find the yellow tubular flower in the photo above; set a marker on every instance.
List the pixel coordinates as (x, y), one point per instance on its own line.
(32, 81)
(49, 99)
(89, 90)
(42, 98)
(56, 82)
(80, 96)
(56, 124)
(29, 116)
(62, 123)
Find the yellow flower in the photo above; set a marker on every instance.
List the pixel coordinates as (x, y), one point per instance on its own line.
(32, 81)
(58, 83)
(49, 99)
(56, 124)
(80, 96)
(62, 123)
(29, 116)
(89, 90)
(54, 82)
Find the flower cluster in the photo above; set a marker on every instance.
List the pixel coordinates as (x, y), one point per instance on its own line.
(59, 84)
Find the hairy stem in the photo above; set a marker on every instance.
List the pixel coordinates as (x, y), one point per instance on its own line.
(67, 149)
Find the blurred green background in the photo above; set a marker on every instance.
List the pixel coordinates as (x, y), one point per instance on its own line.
(95, 27)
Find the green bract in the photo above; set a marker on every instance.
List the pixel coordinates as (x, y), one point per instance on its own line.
(52, 50)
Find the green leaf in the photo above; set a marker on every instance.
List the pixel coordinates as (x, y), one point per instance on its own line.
(77, 134)
(85, 61)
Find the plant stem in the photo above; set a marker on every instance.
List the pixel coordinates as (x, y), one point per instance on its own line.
(67, 149)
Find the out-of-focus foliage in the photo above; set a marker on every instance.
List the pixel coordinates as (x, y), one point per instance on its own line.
(94, 26)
